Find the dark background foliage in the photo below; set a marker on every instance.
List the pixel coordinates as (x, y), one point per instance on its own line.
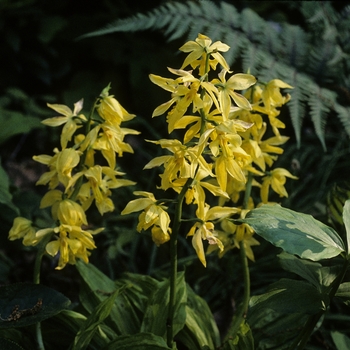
(42, 61)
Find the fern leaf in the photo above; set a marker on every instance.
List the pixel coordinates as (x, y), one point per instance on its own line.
(295, 49)
(344, 117)
(309, 62)
(318, 111)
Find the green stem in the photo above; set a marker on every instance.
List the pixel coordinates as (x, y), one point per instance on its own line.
(36, 280)
(242, 310)
(312, 321)
(173, 262)
(81, 165)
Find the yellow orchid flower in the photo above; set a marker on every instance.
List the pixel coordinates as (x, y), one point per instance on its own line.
(204, 229)
(182, 164)
(71, 213)
(23, 228)
(154, 213)
(111, 110)
(71, 242)
(202, 47)
(276, 179)
(70, 118)
(227, 91)
(61, 166)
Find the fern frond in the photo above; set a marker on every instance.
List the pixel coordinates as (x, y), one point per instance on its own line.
(295, 46)
(318, 112)
(344, 116)
(336, 199)
(309, 62)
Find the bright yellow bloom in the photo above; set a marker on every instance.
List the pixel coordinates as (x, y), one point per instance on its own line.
(225, 146)
(72, 242)
(100, 181)
(71, 120)
(227, 91)
(111, 142)
(231, 235)
(153, 214)
(260, 150)
(159, 236)
(71, 213)
(22, 228)
(181, 165)
(184, 93)
(61, 166)
(111, 110)
(195, 194)
(199, 49)
(204, 229)
(276, 179)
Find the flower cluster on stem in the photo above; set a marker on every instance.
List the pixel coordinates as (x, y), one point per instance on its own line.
(224, 120)
(75, 181)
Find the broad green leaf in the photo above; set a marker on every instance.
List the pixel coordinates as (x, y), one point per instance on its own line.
(140, 341)
(98, 315)
(14, 123)
(156, 315)
(67, 324)
(295, 233)
(143, 287)
(5, 194)
(320, 277)
(23, 304)
(124, 316)
(200, 331)
(273, 330)
(341, 341)
(290, 296)
(346, 219)
(343, 293)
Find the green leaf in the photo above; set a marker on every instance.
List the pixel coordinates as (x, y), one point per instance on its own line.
(23, 304)
(341, 341)
(68, 323)
(156, 315)
(243, 341)
(346, 220)
(89, 327)
(320, 277)
(295, 233)
(343, 293)
(290, 296)
(140, 341)
(200, 329)
(124, 316)
(273, 330)
(5, 194)
(14, 123)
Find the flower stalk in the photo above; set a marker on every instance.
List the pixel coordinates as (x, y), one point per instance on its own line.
(173, 263)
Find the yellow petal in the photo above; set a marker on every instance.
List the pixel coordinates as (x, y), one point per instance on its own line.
(136, 205)
(53, 247)
(55, 121)
(240, 100)
(62, 109)
(198, 246)
(241, 81)
(50, 198)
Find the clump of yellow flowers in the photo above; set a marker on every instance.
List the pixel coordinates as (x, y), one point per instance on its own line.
(74, 179)
(223, 150)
